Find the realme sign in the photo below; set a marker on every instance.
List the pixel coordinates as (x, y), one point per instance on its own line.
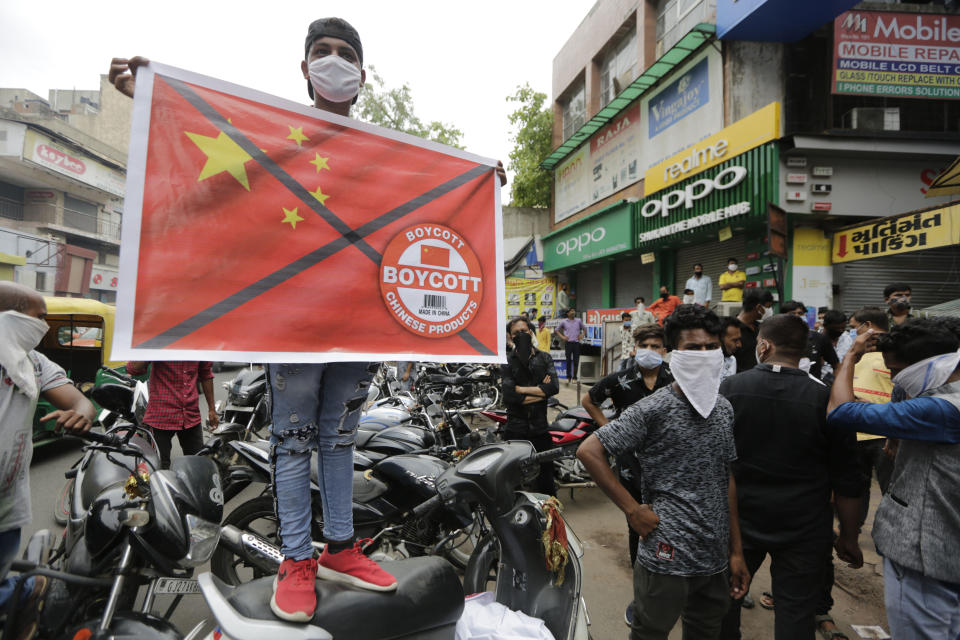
(759, 127)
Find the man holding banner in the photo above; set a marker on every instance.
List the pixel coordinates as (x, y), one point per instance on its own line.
(316, 401)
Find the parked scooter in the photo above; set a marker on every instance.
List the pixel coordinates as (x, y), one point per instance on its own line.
(130, 525)
(429, 598)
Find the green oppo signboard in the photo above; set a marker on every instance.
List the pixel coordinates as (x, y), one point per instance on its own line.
(601, 235)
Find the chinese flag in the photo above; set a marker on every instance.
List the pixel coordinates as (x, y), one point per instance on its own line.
(434, 256)
(264, 224)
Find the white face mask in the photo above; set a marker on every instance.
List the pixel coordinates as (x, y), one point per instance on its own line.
(698, 373)
(641, 306)
(732, 267)
(335, 79)
(767, 313)
(19, 333)
(687, 299)
(648, 359)
(927, 374)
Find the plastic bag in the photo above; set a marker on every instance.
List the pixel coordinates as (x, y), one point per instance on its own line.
(484, 618)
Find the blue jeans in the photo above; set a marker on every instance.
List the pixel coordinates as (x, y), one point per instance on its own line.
(315, 406)
(918, 607)
(9, 546)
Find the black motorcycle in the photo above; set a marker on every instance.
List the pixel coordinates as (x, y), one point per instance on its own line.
(130, 526)
(382, 499)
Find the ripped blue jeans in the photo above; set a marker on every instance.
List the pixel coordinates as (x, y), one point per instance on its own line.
(315, 407)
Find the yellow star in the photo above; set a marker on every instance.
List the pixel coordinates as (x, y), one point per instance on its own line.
(320, 195)
(223, 154)
(291, 217)
(320, 163)
(297, 135)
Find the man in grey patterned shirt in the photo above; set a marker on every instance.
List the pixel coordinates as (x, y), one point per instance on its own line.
(690, 559)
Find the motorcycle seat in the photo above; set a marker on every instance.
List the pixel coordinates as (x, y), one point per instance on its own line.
(429, 596)
(363, 437)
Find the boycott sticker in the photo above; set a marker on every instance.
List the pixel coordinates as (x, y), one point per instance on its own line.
(430, 280)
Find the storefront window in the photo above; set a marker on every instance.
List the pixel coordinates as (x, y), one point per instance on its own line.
(574, 111)
(619, 68)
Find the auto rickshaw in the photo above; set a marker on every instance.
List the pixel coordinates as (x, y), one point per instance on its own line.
(79, 340)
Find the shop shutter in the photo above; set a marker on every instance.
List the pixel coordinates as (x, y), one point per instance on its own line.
(933, 275)
(632, 278)
(713, 256)
(589, 288)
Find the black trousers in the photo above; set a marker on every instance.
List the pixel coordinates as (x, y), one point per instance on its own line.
(872, 459)
(541, 442)
(572, 352)
(797, 572)
(191, 441)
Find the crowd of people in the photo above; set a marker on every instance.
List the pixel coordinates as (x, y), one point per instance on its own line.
(760, 435)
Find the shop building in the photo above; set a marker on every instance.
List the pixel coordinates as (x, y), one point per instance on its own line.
(62, 188)
(671, 144)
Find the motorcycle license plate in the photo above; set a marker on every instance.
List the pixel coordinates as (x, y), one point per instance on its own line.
(176, 586)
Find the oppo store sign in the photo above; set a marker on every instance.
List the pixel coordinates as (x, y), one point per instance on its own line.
(686, 197)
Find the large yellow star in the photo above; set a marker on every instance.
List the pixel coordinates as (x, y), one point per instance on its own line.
(223, 154)
(291, 217)
(320, 163)
(320, 195)
(297, 135)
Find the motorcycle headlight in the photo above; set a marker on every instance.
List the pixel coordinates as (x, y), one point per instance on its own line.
(203, 539)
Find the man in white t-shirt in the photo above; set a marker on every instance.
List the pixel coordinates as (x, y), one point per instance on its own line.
(25, 375)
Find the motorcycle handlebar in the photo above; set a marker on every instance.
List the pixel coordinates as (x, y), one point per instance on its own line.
(552, 454)
(107, 439)
(424, 508)
(120, 376)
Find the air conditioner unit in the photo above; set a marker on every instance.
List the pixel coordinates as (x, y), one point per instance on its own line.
(872, 119)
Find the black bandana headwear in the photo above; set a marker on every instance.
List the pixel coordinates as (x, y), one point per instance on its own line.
(333, 28)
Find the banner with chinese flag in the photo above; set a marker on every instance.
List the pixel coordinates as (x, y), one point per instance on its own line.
(260, 230)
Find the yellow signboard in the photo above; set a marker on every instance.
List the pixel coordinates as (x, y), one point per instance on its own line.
(536, 296)
(757, 128)
(899, 234)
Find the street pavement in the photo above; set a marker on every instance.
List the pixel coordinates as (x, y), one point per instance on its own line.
(600, 525)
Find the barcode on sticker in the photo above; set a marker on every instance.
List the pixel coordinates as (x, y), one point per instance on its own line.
(435, 302)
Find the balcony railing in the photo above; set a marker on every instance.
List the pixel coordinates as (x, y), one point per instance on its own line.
(11, 209)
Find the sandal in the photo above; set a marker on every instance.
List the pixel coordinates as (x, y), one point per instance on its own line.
(766, 600)
(829, 634)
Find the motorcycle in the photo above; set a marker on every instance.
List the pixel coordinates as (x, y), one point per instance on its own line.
(107, 418)
(471, 389)
(382, 498)
(429, 599)
(130, 526)
(248, 403)
(570, 428)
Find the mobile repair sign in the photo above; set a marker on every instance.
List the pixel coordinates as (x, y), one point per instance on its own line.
(907, 55)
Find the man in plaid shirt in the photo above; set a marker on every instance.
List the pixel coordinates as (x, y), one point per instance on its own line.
(174, 405)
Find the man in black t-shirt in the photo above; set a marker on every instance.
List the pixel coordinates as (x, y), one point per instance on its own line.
(756, 306)
(788, 466)
(528, 379)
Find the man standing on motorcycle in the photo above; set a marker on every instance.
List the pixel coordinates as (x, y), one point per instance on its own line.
(529, 378)
(690, 561)
(315, 406)
(25, 376)
(173, 407)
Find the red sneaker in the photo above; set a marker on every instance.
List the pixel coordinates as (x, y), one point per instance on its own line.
(350, 566)
(294, 593)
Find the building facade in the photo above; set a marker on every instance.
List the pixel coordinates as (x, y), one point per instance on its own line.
(673, 141)
(62, 181)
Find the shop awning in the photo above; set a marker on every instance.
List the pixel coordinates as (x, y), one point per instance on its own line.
(947, 183)
(676, 56)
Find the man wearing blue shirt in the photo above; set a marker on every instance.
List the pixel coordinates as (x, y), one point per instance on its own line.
(918, 520)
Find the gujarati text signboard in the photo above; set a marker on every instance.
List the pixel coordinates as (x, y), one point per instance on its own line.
(261, 230)
(910, 55)
(899, 234)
